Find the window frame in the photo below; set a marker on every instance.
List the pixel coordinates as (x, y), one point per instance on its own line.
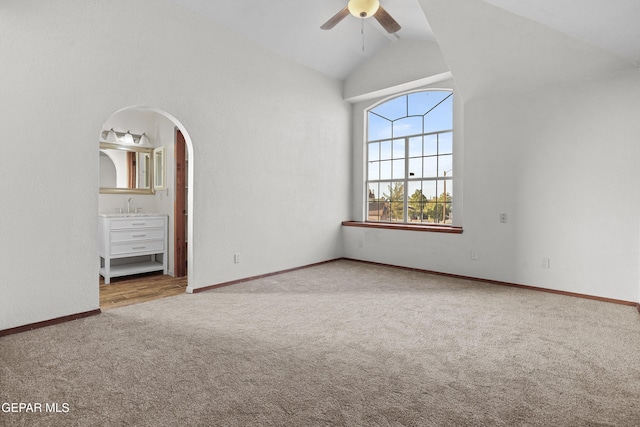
(407, 178)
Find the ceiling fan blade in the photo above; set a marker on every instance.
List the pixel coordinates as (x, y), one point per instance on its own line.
(387, 22)
(333, 21)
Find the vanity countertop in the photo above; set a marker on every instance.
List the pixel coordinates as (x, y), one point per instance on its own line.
(128, 215)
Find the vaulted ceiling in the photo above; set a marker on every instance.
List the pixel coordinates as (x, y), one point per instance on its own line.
(609, 24)
(292, 28)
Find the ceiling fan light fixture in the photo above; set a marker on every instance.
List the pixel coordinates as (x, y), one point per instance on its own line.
(363, 8)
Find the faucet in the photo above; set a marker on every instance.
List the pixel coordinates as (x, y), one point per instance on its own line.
(129, 204)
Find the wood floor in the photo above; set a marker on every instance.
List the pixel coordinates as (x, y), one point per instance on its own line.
(129, 290)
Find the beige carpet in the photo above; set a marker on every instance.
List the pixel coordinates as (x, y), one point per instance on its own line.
(344, 343)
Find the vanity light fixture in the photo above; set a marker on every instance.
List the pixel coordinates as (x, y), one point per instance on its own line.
(128, 138)
(144, 139)
(110, 136)
(115, 137)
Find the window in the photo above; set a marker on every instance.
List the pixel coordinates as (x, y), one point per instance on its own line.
(410, 159)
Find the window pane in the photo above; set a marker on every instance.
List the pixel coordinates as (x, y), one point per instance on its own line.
(374, 191)
(398, 149)
(429, 189)
(436, 212)
(449, 214)
(379, 128)
(415, 168)
(413, 187)
(407, 126)
(421, 102)
(375, 206)
(374, 171)
(430, 211)
(445, 165)
(430, 166)
(395, 197)
(445, 190)
(385, 170)
(374, 151)
(445, 186)
(394, 191)
(416, 202)
(430, 145)
(445, 143)
(398, 169)
(449, 190)
(440, 118)
(392, 109)
(415, 146)
(385, 150)
(396, 211)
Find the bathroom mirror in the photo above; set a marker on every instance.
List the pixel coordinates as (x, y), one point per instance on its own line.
(125, 169)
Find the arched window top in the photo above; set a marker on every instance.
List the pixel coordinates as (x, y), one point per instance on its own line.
(412, 104)
(411, 114)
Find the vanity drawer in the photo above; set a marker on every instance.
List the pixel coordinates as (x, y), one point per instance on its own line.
(137, 247)
(120, 224)
(132, 235)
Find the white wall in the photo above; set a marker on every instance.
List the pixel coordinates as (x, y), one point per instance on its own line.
(562, 163)
(270, 145)
(399, 63)
(576, 147)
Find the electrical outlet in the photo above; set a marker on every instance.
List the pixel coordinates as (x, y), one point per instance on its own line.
(236, 258)
(545, 263)
(474, 255)
(503, 218)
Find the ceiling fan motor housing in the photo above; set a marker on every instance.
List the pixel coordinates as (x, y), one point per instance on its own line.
(363, 8)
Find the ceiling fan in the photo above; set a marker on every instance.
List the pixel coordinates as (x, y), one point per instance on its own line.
(364, 9)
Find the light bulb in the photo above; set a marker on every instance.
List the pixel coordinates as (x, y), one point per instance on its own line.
(127, 138)
(363, 8)
(144, 139)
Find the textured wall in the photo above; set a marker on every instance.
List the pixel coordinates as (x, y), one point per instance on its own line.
(270, 145)
(561, 163)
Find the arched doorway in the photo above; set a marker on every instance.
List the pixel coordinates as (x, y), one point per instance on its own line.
(163, 131)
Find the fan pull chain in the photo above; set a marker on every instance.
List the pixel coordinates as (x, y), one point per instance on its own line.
(362, 32)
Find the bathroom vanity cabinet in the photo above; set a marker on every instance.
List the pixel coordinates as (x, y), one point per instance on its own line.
(132, 244)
